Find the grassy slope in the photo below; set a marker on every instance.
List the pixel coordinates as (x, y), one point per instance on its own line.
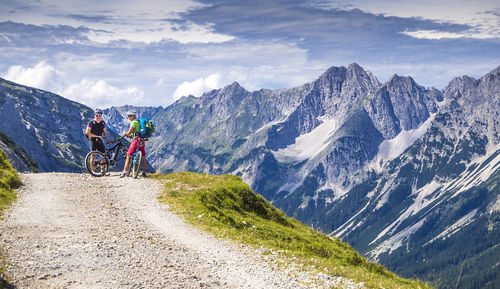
(227, 207)
(9, 180)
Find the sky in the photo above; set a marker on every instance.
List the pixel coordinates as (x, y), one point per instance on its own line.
(152, 52)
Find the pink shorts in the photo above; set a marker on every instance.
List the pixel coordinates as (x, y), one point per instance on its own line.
(134, 145)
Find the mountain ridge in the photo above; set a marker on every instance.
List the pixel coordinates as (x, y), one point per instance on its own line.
(348, 154)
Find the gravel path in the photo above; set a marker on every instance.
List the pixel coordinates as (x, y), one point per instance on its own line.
(76, 231)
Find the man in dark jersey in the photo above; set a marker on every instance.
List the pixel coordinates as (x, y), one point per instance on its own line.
(95, 129)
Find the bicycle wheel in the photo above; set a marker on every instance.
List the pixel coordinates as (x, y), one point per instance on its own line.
(136, 164)
(99, 166)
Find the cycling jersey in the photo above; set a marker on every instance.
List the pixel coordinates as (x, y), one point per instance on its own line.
(137, 127)
(97, 128)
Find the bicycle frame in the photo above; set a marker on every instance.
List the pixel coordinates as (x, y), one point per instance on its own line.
(113, 152)
(137, 158)
(104, 160)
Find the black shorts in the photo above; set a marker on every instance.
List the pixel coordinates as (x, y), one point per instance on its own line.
(96, 144)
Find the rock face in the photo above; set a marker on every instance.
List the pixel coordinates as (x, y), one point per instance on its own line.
(17, 156)
(116, 117)
(379, 165)
(48, 127)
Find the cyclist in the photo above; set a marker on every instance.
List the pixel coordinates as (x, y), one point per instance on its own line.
(137, 141)
(95, 129)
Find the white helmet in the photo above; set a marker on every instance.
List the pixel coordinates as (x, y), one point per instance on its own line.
(131, 112)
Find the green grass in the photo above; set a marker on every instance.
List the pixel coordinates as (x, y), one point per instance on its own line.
(226, 207)
(9, 180)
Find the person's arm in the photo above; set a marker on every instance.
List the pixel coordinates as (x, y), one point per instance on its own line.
(89, 134)
(87, 131)
(106, 136)
(130, 131)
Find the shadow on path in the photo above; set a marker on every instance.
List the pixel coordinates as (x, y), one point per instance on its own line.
(6, 285)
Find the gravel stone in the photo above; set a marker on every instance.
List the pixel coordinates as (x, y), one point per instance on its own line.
(77, 231)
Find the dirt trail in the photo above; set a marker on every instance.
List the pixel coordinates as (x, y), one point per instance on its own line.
(76, 231)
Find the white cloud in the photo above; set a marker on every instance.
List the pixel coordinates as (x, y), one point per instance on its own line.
(435, 34)
(42, 75)
(481, 15)
(198, 86)
(259, 64)
(157, 32)
(147, 21)
(98, 93)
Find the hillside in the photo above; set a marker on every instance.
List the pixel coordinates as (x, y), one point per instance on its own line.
(49, 127)
(227, 207)
(115, 233)
(378, 165)
(393, 168)
(17, 156)
(9, 181)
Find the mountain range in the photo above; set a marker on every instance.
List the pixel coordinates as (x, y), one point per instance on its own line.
(406, 174)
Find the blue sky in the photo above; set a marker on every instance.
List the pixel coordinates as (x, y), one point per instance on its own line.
(151, 52)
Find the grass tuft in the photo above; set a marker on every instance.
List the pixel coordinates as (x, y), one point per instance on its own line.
(9, 180)
(225, 206)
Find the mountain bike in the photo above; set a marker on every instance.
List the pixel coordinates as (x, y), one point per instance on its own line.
(98, 163)
(136, 164)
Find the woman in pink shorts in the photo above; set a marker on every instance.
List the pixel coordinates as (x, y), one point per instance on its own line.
(138, 141)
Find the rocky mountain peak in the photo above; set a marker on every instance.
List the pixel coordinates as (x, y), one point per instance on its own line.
(233, 91)
(235, 86)
(341, 74)
(333, 74)
(490, 83)
(355, 66)
(354, 71)
(401, 81)
(346, 83)
(495, 71)
(458, 85)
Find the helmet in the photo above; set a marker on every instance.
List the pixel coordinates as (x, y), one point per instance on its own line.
(131, 112)
(98, 111)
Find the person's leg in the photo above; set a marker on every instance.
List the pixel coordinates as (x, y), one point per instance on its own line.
(92, 157)
(100, 147)
(144, 162)
(130, 153)
(92, 165)
(127, 163)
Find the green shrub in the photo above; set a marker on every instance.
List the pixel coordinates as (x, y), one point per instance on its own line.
(9, 180)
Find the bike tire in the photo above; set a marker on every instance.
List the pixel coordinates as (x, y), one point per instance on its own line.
(136, 164)
(101, 164)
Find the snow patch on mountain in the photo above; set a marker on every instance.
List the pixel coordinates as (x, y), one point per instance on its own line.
(337, 190)
(485, 167)
(308, 145)
(268, 125)
(464, 221)
(396, 241)
(392, 148)
(349, 225)
(477, 176)
(466, 181)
